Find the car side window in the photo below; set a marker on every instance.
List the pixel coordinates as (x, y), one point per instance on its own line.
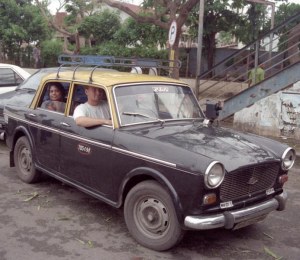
(8, 77)
(54, 96)
(79, 97)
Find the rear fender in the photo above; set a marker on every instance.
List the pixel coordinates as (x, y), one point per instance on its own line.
(19, 132)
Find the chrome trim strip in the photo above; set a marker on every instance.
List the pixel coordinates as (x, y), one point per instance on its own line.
(86, 140)
(75, 137)
(229, 218)
(82, 139)
(144, 156)
(37, 125)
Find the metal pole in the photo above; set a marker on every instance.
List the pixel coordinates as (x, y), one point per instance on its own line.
(256, 61)
(199, 49)
(272, 26)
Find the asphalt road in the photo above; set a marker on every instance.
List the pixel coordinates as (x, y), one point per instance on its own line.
(50, 220)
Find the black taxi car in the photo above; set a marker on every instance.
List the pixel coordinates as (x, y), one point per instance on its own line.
(160, 159)
(29, 84)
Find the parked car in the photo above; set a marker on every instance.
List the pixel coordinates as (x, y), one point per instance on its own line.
(162, 159)
(11, 76)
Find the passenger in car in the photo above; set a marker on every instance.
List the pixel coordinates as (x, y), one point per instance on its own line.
(56, 95)
(93, 112)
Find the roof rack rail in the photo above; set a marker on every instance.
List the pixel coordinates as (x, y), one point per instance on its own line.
(111, 61)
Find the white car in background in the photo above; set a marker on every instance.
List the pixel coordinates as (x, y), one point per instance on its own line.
(11, 76)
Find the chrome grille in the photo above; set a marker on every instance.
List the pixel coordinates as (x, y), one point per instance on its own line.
(246, 181)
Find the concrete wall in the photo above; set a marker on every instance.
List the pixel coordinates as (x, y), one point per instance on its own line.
(276, 115)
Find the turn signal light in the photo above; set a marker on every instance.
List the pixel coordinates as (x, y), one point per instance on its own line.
(209, 199)
(283, 179)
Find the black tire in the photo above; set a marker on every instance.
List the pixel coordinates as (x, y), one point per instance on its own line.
(160, 229)
(24, 163)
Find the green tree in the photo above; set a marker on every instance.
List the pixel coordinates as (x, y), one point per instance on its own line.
(219, 16)
(20, 22)
(77, 10)
(101, 26)
(136, 34)
(289, 35)
(51, 49)
(285, 11)
(161, 13)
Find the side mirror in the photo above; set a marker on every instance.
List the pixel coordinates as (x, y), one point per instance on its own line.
(212, 110)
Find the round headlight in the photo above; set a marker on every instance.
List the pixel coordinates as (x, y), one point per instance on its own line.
(214, 175)
(288, 159)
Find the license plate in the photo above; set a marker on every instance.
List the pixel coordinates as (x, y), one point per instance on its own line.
(249, 222)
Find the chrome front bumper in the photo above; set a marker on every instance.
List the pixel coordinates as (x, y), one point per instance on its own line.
(229, 219)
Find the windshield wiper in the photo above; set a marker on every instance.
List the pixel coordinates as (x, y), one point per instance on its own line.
(143, 115)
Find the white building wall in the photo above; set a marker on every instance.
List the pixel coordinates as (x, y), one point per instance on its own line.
(276, 115)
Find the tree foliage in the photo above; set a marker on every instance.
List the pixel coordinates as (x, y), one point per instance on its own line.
(20, 22)
(114, 49)
(161, 13)
(51, 49)
(285, 11)
(102, 26)
(219, 16)
(133, 33)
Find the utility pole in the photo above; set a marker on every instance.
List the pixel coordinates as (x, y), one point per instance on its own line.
(199, 49)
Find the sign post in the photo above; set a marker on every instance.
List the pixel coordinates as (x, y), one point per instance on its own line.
(199, 49)
(172, 38)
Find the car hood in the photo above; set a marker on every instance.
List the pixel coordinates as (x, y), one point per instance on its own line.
(232, 148)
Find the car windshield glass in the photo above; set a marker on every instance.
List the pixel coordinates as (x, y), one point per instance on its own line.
(156, 102)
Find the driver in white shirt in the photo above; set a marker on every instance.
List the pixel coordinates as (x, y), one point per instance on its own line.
(95, 111)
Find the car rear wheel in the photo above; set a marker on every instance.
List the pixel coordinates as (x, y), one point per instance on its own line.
(23, 161)
(150, 216)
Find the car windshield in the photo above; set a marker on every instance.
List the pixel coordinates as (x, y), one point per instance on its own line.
(156, 102)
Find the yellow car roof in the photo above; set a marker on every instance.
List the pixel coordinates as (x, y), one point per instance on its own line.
(109, 77)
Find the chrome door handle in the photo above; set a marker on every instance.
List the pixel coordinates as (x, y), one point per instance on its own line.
(32, 115)
(64, 124)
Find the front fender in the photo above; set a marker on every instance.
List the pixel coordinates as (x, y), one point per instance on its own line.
(140, 174)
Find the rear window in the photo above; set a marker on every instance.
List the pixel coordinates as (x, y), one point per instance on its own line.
(34, 80)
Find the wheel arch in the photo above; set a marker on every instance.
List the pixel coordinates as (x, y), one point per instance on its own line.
(142, 174)
(19, 132)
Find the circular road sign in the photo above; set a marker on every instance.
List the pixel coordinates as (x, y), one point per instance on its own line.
(172, 33)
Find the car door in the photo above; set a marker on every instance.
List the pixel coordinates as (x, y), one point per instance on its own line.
(86, 152)
(45, 129)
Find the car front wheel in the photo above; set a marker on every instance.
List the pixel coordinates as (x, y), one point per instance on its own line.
(150, 216)
(23, 161)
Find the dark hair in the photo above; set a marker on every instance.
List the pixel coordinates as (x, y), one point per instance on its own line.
(58, 86)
